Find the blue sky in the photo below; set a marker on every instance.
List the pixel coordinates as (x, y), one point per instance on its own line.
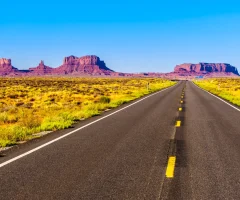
(129, 35)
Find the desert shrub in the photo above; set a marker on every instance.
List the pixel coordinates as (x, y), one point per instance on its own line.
(22, 95)
(28, 105)
(20, 133)
(118, 103)
(104, 99)
(30, 121)
(55, 123)
(19, 104)
(3, 117)
(13, 134)
(6, 142)
(13, 96)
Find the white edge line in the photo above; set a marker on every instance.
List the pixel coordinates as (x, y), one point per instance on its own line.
(217, 97)
(63, 136)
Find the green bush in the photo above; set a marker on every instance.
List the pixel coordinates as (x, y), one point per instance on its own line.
(104, 99)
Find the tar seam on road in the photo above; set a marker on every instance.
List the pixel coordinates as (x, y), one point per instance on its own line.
(218, 98)
(63, 136)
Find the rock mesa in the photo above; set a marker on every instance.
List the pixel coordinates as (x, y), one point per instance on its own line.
(6, 67)
(205, 68)
(83, 65)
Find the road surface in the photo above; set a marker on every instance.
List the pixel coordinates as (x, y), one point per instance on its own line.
(149, 150)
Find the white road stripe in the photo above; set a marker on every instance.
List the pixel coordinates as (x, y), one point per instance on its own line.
(63, 136)
(218, 98)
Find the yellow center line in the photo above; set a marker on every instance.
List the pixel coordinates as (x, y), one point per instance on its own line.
(180, 109)
(181, 101)
(182, 96)
(171, 167)
(178, 123)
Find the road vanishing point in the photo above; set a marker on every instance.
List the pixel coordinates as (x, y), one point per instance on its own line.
(180, 143)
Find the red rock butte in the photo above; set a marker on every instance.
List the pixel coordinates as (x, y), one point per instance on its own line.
(93, 66)
(41, 69)
(204, 68)
(6, 67)
(84, 65)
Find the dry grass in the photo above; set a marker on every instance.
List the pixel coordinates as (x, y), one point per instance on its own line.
(227, 88)
(32, 105)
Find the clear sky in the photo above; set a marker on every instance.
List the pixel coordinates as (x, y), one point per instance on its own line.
(129, 35)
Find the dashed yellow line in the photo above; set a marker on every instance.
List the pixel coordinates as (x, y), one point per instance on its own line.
(172, 159)
(171, 167)
(178, 123)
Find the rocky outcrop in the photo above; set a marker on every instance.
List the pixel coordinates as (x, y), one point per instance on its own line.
(72, 65)
(84, 65)
(6, 67)
(5, 62)
(92, 65)
(204, 68)
(41, 69)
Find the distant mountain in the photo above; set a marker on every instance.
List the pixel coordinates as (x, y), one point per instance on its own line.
(93, 66)
(72, 65)
(206, 68)
(6, 67)
(41, 69)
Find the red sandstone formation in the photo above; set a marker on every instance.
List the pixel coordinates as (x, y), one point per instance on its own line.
(6, 67)
(41, 69)
(205, 68)
(91, 65)
(86, 65)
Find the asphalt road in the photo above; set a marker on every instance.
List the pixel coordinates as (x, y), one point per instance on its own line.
(125, 155)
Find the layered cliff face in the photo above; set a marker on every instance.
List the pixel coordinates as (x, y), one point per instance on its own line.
(41, 69)
(92, 65)
(6, 67)
(83, 65)
(89, 65)
(206, 68)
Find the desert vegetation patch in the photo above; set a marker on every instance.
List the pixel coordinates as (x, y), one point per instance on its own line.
(33, 105)
(227, 88)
